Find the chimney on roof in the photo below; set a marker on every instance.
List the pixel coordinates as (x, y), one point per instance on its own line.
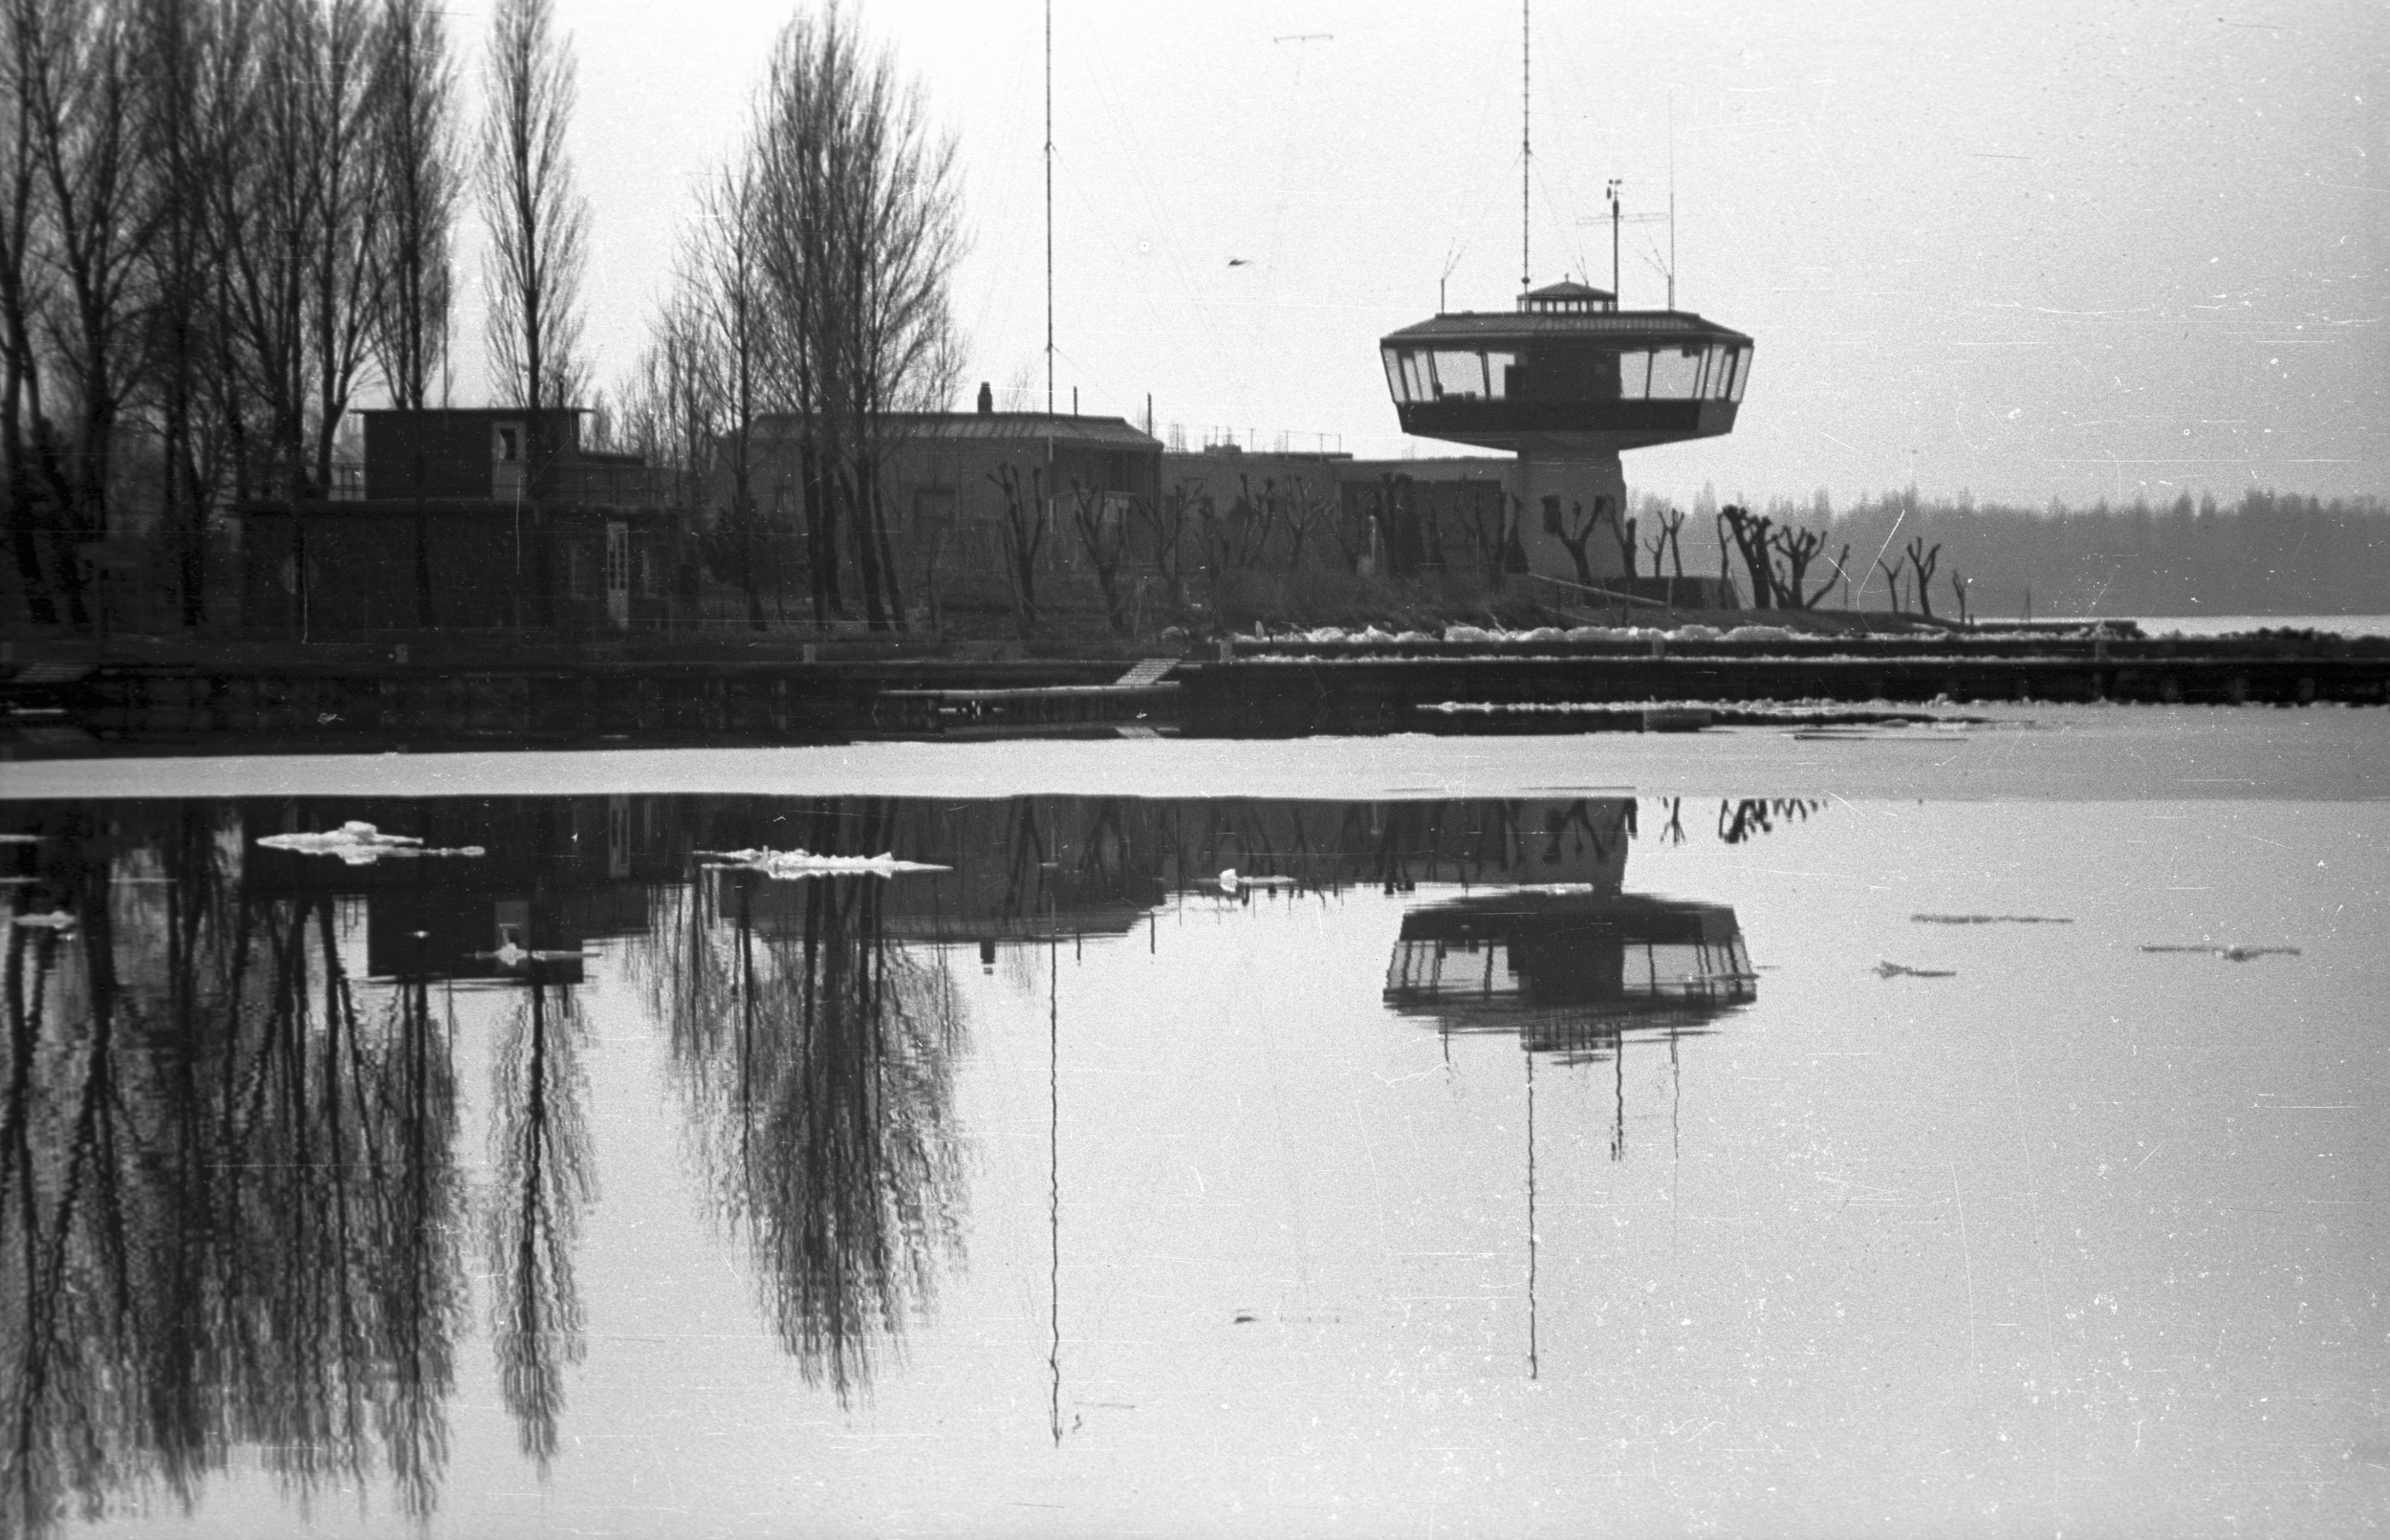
(987, 398)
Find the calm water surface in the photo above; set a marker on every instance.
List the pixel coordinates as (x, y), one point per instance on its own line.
(1788, 1164)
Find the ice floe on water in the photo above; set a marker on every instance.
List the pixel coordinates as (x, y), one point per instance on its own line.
(1990, 920)
(789, 865)
(359, 844)
(2231, 954)
(1896, 970)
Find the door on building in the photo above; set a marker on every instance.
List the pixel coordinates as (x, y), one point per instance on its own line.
(617, 575)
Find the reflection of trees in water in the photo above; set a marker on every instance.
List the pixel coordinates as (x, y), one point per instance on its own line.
(1753, 816)
(225, 1189)
(540, 1183)
(818, 1058)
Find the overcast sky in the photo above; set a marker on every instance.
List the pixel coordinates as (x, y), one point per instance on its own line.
(2028, 249)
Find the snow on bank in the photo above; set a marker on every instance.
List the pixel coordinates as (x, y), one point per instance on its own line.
(1375, 635)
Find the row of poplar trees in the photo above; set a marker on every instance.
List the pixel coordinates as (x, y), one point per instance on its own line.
(809, 314)
(223, 223)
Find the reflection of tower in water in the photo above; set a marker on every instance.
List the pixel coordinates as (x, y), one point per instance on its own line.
(1569, 973)
(1572, 973)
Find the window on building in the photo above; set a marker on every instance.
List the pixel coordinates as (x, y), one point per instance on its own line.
(1459, 376)
(1633, 373)
(1676, 374)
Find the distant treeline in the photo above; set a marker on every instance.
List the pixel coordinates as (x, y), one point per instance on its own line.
(2268, 553)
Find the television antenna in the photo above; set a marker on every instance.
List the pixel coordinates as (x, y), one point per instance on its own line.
(1617, 218)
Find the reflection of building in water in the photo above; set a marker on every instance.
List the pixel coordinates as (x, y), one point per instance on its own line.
(1569, 973)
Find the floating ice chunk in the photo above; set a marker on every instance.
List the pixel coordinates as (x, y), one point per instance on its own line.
(2231, 954)
(1230, 881)
(1990, 920)
(789, 865)
(359, 844)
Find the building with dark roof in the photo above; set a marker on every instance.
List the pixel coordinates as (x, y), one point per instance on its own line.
(469, 519)
(941, 484)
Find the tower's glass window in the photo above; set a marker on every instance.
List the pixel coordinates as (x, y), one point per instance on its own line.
(1675, 374)
(1460, 375)
(1742, 371)
(1394, 376)
(1633, 373)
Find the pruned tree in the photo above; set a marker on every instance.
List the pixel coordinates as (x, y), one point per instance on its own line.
(1892, 584)
(1958, 589)
(1798, 548)
(1749, 534)
(1103, 539)
(1166, 519)
(1575, 530)
(1023, 533)
(1622, 529)
(1922, 562)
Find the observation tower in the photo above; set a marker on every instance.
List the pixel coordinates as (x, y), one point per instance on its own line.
(1567, 383)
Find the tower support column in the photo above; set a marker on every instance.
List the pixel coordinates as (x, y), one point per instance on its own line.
(1553, 496)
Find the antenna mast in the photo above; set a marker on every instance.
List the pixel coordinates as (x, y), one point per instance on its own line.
(1049, 208)
(1527, 151)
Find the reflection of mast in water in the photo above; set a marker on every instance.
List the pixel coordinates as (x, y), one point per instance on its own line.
(1572, 974)
(1535, 1361)
(1054, 1170)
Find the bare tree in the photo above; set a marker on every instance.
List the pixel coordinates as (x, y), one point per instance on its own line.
(1104, 536)
(349, 189)
(1922, 562)
(414, 150)
(1024, 531)
(24, 298)
(538, 222)
(76, 73)
(1622, 531)
(1892, 583)
(858, 231)
(1166, 521)
(1576, 531)
(727, 326)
